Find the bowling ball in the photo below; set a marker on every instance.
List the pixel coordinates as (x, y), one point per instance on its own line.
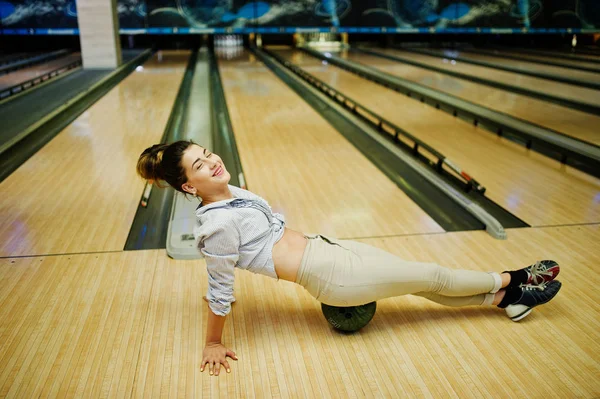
(351, 318)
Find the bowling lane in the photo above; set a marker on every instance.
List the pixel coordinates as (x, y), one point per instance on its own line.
(562, 90)
(522, 65)
(305, 168)
(542, 58)
(80, 192)
(574, 123)
(9, 58)
(23, 75)
(574, 55)
(534, 188)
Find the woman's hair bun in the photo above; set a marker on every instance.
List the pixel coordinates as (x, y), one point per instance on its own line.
(149, 163)
(165, 162)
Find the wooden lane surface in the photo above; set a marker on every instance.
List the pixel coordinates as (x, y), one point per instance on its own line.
(132, 324)
(80, 192)
(562, 90)
(305, 168)
(523, 65)
(574, 123)
(536, 189)
(541, 58)
(565, 54)
(34, 71)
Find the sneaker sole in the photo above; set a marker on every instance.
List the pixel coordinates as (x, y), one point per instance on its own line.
(521, 315)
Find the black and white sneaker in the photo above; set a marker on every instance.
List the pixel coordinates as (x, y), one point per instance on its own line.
(532, 296)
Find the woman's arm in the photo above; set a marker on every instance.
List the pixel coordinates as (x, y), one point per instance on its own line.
(219, 244)
(214, 328)
(215, 353)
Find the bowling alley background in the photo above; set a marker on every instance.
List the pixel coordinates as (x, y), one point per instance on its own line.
(26, 17)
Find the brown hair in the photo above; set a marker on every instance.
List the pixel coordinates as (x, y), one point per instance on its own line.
(163, 162)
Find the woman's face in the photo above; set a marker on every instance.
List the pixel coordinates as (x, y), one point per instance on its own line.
(205, 171)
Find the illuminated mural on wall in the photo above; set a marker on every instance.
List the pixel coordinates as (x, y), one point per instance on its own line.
(341, 15)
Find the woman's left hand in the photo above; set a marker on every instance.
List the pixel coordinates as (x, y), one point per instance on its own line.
(214, 354)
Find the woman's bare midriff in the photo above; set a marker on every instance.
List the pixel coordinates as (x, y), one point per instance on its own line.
(287, 254)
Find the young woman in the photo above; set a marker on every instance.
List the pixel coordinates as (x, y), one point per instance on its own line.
(236, 228)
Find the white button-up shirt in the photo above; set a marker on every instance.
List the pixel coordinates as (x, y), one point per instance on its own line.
(238, 232)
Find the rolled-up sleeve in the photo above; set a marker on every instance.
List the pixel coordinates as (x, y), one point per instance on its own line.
(220, 248)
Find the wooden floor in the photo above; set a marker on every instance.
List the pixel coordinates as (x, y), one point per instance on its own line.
(297, 160)
(132, 324)
(79, 193)
(516, 178)
(553, 116)
(562, 90)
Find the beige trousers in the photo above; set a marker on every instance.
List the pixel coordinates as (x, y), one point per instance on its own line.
(350, 273)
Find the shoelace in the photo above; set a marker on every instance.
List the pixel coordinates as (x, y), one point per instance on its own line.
(530, 287)
(539, 271)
